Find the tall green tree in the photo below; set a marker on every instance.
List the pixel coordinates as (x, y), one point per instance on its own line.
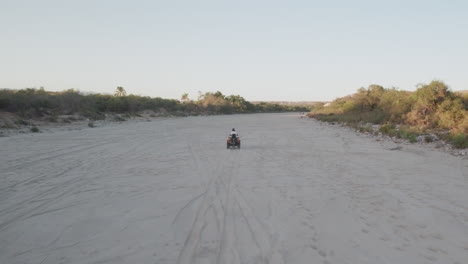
(120, 91)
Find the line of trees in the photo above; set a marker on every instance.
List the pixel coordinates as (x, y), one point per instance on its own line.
(31, 103)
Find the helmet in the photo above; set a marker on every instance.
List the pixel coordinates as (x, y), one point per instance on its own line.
(233, 129)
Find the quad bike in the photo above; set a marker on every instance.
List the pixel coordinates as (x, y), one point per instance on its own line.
(233, 141)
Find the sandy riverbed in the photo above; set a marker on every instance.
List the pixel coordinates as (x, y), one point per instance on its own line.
(169, 191)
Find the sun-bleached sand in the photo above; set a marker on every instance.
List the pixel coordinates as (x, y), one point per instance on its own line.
(168, 191)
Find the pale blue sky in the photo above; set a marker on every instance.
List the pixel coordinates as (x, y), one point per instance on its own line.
(262, 50)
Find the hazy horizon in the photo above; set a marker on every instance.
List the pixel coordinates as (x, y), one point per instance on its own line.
(262, 50)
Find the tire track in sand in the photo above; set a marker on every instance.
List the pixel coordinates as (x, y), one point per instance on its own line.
(234, 211)
(208, 197)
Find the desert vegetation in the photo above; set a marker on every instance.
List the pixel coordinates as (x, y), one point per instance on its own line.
(432, 108)
(39, 103)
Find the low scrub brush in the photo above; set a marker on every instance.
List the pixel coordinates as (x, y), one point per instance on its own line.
(119, 119)
(460, 141)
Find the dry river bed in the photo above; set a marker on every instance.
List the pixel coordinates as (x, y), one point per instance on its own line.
(168, 191)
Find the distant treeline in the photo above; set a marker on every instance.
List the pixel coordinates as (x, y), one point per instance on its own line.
(432, 107)
(290, 103)
(31, 103)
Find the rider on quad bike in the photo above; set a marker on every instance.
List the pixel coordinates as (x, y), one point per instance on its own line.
(233, 139)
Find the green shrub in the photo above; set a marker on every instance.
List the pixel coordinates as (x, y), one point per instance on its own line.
(398, 134)
(21, 122)
(52, 118)
(119, 118)
(388, 129)
(94, 115)
(460, 141)
(364, 129)
(34, 129)
(407, 134)
(428, 138)
(91, 124)
(412, 138)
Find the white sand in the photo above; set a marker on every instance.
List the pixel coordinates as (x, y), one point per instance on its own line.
(169, 191)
